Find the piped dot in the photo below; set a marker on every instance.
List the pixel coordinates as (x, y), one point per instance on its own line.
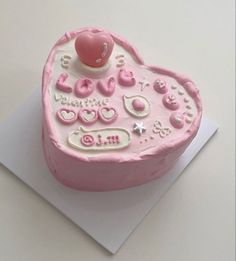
(187, 120)
(138, 105)
(177, 120)
(190, 114)
(181, 92)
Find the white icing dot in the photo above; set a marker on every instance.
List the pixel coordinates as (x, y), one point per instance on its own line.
(186, 100)
(187, 120)
(179, 120)
(181, 92)
(190, 114)
(173, 87)
(119, 56)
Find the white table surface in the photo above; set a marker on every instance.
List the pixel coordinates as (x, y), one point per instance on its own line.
(195, 219)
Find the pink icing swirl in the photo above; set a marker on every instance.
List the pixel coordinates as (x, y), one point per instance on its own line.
(87, 140)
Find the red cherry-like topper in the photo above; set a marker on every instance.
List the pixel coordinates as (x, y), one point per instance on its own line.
(94, 48)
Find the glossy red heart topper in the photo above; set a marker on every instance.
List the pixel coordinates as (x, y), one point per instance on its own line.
(94, 48)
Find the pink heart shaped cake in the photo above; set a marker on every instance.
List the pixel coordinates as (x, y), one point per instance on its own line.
(109, 120)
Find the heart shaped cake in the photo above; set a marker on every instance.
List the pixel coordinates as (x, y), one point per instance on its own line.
(109, 120)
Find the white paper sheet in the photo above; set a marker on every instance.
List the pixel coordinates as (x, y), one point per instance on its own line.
(108, 217)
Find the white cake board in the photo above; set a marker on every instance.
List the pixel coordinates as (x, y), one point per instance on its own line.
(108, 217)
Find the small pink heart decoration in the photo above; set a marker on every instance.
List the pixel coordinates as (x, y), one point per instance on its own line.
(108, 88)
(66, 116)
(107, 114)
(88, 116)
(94, 48)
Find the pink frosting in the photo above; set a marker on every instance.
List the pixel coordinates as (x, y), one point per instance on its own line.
(108, 172)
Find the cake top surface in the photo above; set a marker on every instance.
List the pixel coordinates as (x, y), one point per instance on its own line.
(101, 102)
